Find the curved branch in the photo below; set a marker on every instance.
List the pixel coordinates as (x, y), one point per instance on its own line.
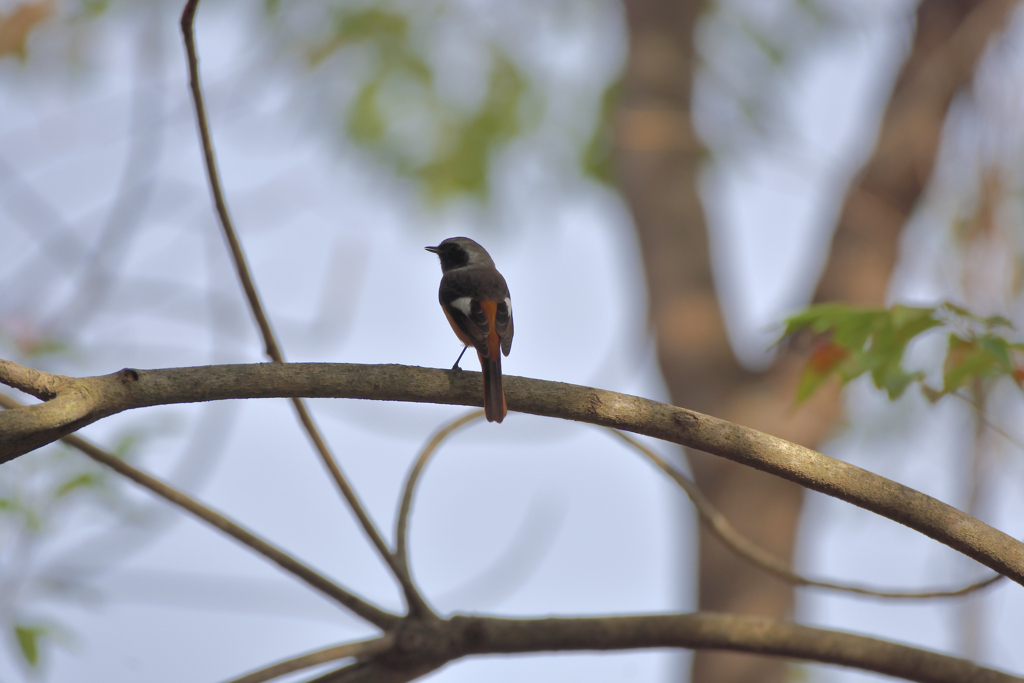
(402, 525)
(421, 647)
(709, 630)
(742, 546)
(89, 399)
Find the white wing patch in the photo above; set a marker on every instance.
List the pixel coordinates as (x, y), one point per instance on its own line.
(463, 304)
(508, 305)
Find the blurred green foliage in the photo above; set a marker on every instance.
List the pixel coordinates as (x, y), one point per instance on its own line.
(94, 8)
(849, 342)
(463, 160)
(28, 638)
(596, 159)
(43, 497)
(401, 89)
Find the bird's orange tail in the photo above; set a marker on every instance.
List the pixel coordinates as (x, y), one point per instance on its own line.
(494, 397)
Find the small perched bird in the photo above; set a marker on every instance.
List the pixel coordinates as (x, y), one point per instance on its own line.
(475, 299)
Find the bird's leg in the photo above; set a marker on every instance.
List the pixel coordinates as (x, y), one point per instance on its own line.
(456, 366)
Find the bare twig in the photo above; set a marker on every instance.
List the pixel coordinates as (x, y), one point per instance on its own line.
(970, 614)
(187, 23)
(364, 648)
(720, 526)
(980, 415)
(273, 351)
(401, 526)
(412, 597)
(355, 604)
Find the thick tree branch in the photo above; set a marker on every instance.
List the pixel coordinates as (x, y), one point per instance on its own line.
(92, 398)
(424, 646)
(720, 631)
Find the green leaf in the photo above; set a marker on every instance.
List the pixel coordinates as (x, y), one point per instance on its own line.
(17, 508)
(848, 326)
(988, 322)
(931, 395)
(969, 359)
(452, 154)
(463, 161)
(85, 480)
(874, 341)
(826, 359)
(997, 321)
(999, 349)
(370, 24)
(33, 521)
(958, 310)
(810, 382)
(896, 382)
(365, 123)
(890, 336)
(28, 638)
(94, 8)
(388, 32)
(861, 341)
(596, 159)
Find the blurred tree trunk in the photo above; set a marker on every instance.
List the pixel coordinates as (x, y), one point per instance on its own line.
(658, 159)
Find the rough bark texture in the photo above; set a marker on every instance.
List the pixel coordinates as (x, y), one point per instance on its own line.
(658, 160)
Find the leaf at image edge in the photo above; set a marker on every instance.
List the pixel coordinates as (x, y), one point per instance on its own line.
(28, 642)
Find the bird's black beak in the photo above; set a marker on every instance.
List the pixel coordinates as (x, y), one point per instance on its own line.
(432, 250)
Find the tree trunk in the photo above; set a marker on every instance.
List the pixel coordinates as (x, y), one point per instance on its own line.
(658, 161)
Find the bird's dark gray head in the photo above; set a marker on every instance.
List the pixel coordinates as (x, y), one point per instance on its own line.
(459, 252)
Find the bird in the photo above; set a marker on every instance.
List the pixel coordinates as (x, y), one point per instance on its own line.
(475, 299)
